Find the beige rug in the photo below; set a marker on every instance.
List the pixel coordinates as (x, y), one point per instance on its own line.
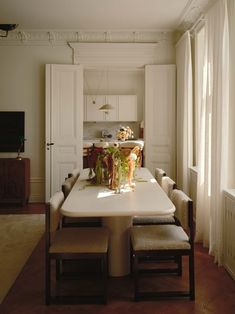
(19, 234)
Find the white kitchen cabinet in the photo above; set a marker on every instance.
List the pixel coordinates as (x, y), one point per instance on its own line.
(124, 108)
(93, 103)
(91, 108)
(127, 108)
(111, 115)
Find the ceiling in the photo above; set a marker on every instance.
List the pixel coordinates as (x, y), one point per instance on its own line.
(99, 14)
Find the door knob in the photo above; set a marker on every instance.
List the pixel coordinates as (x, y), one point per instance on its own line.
(48, 145)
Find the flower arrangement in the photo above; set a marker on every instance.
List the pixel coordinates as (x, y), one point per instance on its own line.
(114, 166)
(124, 133)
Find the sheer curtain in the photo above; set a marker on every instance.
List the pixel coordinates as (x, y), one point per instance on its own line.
(184, 111)
(231, 160)
(213, 142)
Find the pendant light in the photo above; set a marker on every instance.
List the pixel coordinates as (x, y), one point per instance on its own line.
(106, 107)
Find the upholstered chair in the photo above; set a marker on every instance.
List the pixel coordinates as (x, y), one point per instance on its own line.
(159, 173)
(155, 243)
(168, 185)
(73, 244)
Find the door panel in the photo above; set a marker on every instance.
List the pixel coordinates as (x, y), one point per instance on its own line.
(64, 123)
(160, 118)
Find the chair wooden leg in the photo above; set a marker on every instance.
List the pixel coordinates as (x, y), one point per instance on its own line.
(191, 277)
(105, 275)
(136, 278)
(179, 265)
(48, 280)
(131, 260)
(58, 270)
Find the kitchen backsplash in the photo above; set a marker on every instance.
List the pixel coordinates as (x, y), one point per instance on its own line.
(94, 129)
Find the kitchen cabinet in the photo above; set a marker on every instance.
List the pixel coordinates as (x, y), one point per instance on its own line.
(127, 108)
(14, 180)
(124, 108)
(112, 115)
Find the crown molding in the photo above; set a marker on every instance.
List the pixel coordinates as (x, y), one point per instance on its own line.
(114, 54)
(192, 12)
(62, 37)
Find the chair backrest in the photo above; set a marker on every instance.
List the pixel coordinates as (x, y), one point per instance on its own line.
(67, 186)
(184, 209)
(168, 185)
(159, 173)
(53, 215)
(75, 173)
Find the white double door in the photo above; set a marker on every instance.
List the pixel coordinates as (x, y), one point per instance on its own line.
(64, 123)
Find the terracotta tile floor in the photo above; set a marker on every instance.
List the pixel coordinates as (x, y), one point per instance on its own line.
(215, 290)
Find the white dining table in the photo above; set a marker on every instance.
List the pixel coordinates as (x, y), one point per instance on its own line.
(147, 198)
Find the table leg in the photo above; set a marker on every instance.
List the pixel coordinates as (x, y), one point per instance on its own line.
(119, 245)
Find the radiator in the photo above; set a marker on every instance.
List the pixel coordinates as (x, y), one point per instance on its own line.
(229, 232)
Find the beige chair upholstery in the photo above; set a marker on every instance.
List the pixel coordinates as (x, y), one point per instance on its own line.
(159, 242)
(168, 185)
(81, 240)
(73, 244)
(180, 200)
(159, 173)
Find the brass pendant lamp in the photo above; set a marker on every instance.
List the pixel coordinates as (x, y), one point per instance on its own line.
(106, 107)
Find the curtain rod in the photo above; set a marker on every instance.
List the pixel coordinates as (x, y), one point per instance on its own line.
(200, 19)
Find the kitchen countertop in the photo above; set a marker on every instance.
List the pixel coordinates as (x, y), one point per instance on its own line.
(110, 142)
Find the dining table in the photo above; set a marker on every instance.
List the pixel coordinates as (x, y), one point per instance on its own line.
(117, 209)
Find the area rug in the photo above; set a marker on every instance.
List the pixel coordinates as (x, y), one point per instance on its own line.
(19, 235)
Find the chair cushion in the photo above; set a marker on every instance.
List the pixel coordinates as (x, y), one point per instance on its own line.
(151, 220)
(80, 240)
(161, 237)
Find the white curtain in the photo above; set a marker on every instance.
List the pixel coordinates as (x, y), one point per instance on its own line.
(213, 142)
(184, 111)
(231, 159)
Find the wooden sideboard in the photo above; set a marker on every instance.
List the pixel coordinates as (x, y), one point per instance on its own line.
(14, 180)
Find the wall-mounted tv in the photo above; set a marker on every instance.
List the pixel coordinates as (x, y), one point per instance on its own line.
(12, 131)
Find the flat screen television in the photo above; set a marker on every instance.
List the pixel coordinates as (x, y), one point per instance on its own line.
(12, 131)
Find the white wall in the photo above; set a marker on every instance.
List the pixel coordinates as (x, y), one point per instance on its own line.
(22, 87)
